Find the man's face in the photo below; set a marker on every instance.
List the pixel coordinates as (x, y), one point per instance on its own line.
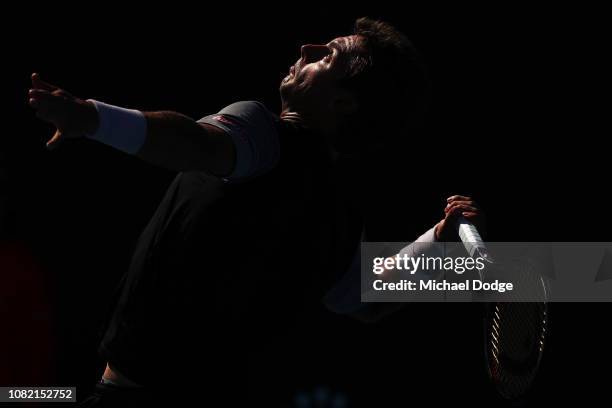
(312, 80)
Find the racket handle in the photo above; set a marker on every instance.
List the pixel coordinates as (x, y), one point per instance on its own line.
(471, 239)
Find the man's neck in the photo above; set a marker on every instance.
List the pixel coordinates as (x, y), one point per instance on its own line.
(293, 117)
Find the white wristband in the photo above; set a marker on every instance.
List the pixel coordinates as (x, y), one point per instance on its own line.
(123, 129)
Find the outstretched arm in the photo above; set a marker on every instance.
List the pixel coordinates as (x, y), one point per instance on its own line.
(167, 139)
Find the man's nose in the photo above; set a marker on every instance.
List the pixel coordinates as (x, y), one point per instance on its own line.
(312, 52)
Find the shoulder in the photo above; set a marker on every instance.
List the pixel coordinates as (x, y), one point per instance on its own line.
(246, 107)
(254, 131)
(244, 114)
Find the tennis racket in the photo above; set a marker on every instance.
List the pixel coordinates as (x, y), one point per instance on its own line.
(514, 332)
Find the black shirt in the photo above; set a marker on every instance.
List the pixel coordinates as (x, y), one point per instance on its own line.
(222, 266)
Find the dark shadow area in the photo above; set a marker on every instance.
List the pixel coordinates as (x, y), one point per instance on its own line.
(70, 218)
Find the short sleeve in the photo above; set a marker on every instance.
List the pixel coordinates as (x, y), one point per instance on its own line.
(254, 132)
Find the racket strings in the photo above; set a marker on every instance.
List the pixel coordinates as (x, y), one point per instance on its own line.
(515, 341)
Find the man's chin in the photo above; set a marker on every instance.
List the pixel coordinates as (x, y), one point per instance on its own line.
(286, 82)
(286, 89)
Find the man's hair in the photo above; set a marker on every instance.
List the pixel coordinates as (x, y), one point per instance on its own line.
(389, 79)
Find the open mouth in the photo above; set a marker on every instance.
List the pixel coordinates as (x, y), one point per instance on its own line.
(290, 75)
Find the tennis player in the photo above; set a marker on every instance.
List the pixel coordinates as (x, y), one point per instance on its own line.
(262, 221)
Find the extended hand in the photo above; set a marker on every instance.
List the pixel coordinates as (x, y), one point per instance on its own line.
(71, 116)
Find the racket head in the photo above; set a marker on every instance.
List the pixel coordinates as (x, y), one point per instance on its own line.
(515, 336)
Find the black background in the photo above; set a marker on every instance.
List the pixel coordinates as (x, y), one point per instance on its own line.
(503, 79)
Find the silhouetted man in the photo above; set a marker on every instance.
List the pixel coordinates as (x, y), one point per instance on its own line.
(263, 218)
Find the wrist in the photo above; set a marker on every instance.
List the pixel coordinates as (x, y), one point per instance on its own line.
(437, 231)
(123, 129)
(92, 119)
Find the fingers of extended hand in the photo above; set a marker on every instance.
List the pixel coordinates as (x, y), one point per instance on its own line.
(45, 102)
(55, 140)
(38, 83)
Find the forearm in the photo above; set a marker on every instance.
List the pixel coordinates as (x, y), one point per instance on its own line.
(167, 139)
(345, 296)
(177, 142)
